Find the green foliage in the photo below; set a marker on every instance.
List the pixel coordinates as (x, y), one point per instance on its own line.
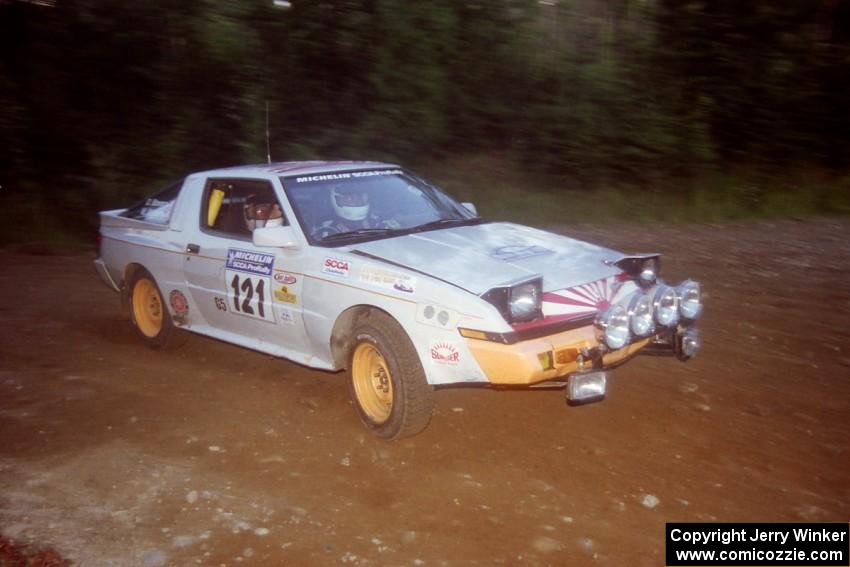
(102, 99)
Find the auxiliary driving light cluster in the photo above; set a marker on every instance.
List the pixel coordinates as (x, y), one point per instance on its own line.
(647, 312)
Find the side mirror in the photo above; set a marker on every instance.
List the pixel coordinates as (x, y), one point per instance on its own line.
(276, 236)
(471, 208)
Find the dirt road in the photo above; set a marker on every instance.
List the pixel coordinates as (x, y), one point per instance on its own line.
(214, 455)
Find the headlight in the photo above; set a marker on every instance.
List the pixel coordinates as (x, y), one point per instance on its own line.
(640, 311)
(690, 299)
(648, 272)
(525, 300)
(666, 304)
(615, 324)
(518, 302)
(643, 268)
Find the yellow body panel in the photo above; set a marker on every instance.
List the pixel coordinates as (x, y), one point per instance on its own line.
(520, 363)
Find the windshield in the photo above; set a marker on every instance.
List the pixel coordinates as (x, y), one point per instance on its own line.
(341, 207)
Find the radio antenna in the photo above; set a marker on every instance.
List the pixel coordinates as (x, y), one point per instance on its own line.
(268, 144)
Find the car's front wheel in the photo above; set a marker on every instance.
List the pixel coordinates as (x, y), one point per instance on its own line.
(386, 379)
(148, 312)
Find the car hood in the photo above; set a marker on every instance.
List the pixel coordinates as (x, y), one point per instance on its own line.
(480, 257)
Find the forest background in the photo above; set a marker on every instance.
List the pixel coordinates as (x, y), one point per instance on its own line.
(543, 111)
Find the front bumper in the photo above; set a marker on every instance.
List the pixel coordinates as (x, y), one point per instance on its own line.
(547, 358)
(555, 356)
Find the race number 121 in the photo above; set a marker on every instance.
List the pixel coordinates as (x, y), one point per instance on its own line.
(248, 295)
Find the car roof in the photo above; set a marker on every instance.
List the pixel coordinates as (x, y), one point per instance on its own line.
(296, 168)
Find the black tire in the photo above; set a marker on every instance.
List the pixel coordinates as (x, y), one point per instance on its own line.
(386, 380)
(149, 313)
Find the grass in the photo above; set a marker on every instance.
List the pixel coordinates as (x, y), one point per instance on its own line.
(503, 190)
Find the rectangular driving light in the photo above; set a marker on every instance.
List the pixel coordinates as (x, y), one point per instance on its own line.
(587, 386)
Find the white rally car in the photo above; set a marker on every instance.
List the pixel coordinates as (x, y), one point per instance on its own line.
(365, 266)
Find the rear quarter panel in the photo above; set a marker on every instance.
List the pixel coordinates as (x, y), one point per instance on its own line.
(156, 248)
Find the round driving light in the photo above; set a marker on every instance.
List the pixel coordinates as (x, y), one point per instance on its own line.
(443, 317)
(666, 304)
(616, 323)
(640, 311)
(648, 272)
(690, 299)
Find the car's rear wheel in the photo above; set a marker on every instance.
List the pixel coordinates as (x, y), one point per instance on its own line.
(386, 380)
(148, 312)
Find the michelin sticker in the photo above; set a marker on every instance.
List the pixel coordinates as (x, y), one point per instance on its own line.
(444, 353)
(336, 267)
(387, 279)
(349, 175)
(250, 262)
(518, 252)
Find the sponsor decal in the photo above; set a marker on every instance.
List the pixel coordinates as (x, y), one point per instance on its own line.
(178, 302)
(284, 278)
(250, 262)
(282, 294)
(387, 279)
(336, 267)
(518, 252)
(286, 316)
(444, 353)
(220, 304)
(580, 300)
(348, 175)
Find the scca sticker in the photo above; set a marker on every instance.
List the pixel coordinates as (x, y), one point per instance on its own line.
(283, 278)
(445, 353)
(282, 294)
(336, 267)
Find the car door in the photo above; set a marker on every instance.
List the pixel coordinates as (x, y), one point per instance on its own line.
(247, 294)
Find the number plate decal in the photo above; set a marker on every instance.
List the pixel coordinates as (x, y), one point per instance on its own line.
(249, 295)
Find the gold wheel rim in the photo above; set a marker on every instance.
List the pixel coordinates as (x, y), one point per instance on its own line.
(373, 383)
(147, 308)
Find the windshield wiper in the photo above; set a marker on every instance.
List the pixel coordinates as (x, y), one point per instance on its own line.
(357, 233)
(440, 223)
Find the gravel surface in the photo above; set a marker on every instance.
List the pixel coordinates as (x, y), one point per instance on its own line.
(112, 454)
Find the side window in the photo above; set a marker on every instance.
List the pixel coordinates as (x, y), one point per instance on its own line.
(236, 207)
(156, 209)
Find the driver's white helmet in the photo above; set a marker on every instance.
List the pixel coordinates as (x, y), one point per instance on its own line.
(350, 203)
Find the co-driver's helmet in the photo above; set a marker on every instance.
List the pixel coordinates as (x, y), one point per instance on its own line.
(350, 203)
(261, 213)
